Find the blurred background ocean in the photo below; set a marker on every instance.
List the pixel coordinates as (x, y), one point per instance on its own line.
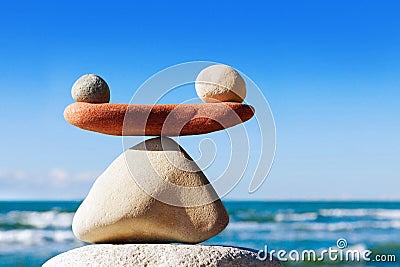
(33, 231)
(329, 70)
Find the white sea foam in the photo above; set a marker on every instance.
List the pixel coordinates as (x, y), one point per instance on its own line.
(35, 237)
(344, 226)
(252, 226)
(297, 227)
(344, 212)
(387, 214)
(39, 220)
(307, 216)
(376, 213)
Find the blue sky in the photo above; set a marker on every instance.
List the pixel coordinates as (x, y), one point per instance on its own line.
(329, 69)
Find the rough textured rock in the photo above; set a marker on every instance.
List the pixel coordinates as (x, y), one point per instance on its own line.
(159, 255)
(156, 120)
(90, 88)
(220, 83)
(128, 202)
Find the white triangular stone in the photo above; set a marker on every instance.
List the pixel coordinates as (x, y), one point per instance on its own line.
(127, 202)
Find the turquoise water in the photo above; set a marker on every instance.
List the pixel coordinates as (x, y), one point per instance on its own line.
(32, 232)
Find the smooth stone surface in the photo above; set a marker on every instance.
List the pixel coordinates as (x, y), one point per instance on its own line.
(220, 83)
(159, 255)
(118, 210)
(90, 88)
(157, 120)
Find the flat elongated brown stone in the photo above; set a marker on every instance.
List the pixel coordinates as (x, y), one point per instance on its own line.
(156, 120)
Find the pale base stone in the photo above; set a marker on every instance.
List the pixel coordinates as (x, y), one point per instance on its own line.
(158, 255)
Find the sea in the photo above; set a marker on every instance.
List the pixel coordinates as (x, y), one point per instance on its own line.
(31, 232)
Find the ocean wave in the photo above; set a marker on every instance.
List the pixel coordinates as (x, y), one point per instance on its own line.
(35, 237)
(307, 216)
(252, 226)
(37, 220)
(331, 227)
(375, 213)
(289, 215)
(387, 214)
(345, 226)
(280, 216)
(314, 226)
(251, 215)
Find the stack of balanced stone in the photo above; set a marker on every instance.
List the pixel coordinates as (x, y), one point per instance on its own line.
(134, 224)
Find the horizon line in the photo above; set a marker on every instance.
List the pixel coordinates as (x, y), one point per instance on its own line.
(232, 199)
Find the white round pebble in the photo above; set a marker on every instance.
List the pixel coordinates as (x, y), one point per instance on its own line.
(220, 83)
(90, 88)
